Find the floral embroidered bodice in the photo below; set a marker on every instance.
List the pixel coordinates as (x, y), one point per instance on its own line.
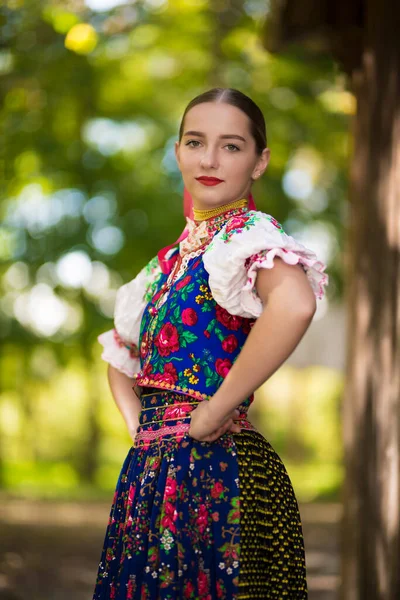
(184, 331)
(187, 341)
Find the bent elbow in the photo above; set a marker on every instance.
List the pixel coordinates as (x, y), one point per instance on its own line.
(307, 308)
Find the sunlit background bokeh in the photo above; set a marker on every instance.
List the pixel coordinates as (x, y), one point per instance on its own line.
(92, 96)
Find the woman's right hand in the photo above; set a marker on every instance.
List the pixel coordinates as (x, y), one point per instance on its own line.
(204, 427)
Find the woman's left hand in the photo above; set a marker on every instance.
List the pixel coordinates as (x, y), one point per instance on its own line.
(204, 428)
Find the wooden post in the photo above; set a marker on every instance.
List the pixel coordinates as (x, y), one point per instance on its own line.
(371, 411)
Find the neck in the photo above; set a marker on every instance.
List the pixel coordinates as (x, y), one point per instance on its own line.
(204, 214)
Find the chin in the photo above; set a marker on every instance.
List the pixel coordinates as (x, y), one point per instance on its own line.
(210, 197)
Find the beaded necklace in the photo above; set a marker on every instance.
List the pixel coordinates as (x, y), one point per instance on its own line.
(205, 214)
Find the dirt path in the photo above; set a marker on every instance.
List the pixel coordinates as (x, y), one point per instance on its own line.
(50, 551)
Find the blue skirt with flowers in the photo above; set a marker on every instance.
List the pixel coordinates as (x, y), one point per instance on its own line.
(200, 520)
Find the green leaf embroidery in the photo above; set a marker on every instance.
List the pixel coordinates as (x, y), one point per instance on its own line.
(207, 307)
(208, 371)
(187, 290)
(161, 314)
(188, 336)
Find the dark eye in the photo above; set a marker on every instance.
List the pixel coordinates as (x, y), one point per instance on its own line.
(191, 141)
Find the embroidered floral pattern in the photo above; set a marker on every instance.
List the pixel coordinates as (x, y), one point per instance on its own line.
(168, 540)
(183, 322)
(154, 275)
(237, 224)
(181, 316)
(246, 222)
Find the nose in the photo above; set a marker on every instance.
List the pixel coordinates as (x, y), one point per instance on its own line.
(209, 158)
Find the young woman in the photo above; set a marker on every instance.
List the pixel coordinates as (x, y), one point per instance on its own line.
(204, 507)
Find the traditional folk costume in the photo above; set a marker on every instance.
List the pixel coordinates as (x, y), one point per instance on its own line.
(190, 519)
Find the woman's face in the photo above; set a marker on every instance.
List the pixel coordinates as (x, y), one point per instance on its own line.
(216, 142)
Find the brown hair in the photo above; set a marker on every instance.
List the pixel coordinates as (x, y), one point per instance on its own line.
(241, 101)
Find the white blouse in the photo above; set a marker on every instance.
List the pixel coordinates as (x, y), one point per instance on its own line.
(120, 344)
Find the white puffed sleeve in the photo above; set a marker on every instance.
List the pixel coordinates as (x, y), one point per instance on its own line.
(121, 344)
(245, 244)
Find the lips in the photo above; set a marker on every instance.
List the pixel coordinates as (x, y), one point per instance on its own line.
(209, 180)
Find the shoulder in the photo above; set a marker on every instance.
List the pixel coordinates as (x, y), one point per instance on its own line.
(245, 244)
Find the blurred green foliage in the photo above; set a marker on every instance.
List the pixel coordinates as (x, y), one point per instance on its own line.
(91, 102)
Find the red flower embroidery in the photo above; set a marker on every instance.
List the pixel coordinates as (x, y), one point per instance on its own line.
(189, 589)
(183, 282)
(235, 516)
(169, 376)
(189, 316)
(217, 489)
(131, 494)
(176, 412)
(202, 518)
(109, 554)
(222, 366)
(246, 326)
(171, 515)
(276, 223)
(229, 321)
(207, 334)
(131, 589)
(170, 487)
(203, 583)
(167, 340)
(147, 369)
(168, 523)
(170, 371)
(170, 510)
(230, 343)
(236, 223)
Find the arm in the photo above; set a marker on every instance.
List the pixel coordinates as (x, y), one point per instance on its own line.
(289, 306)
(125, 398)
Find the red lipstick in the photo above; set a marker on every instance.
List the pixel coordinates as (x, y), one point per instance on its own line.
(209, 180)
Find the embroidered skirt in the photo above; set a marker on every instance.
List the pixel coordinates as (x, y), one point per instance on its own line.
(200, 520)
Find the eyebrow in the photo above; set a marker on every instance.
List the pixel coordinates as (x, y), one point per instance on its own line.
(223, 137)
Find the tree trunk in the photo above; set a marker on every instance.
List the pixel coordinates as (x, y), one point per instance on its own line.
(371, 411)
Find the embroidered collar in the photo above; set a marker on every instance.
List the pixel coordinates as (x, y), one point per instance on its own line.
(200, 232)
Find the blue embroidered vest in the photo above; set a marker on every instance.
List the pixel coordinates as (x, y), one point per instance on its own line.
(188, 343)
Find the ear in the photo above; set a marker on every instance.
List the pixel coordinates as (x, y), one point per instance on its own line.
(262, 163)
